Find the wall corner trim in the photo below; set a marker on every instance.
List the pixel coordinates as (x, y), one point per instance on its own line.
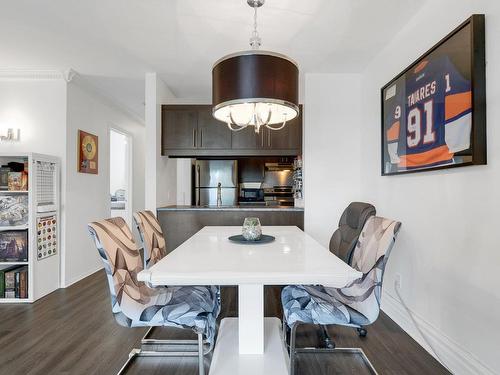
(69, 74)
(81, 277)
(457, 358)
(31, 74)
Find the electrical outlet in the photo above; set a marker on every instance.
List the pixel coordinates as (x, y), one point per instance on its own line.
(397, 281)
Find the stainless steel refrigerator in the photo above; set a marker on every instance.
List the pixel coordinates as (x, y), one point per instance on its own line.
(216, 179)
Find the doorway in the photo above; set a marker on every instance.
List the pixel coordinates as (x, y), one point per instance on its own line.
(120, 174)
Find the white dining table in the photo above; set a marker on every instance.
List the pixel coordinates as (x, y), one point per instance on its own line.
(250, 343)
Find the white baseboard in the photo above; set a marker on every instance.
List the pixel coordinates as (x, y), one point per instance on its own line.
(82, 276)
(455, 357)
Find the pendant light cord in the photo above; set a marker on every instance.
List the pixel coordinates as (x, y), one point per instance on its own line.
(255, 33)
(255, 40)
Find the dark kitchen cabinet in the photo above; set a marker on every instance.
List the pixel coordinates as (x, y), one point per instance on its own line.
(288, 138)
(286, 141)
(246, 139)
(212, 134)
(179, 128)
(191, 131)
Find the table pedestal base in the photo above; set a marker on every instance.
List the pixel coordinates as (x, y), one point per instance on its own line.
(227, 360)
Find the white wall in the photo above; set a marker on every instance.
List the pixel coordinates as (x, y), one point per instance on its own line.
(37, 107)
(118, 161)
(49, 112)
(331, 150)
(161, 172)
(447, 253)
(184, 181)
(88, 195)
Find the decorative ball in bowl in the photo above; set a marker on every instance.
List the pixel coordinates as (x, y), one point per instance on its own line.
(252, 231)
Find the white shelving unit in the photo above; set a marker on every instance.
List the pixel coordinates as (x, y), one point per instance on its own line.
(14, 227)
(43, 273)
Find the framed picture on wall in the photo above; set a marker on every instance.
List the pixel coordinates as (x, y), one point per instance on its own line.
(434, 112)
(88, 152)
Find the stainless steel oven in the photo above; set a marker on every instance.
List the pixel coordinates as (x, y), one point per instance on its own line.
(279, 196)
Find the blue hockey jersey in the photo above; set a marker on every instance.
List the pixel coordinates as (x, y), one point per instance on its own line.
(430, 116)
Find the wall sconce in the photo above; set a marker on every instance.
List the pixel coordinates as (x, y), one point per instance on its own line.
(10, 135)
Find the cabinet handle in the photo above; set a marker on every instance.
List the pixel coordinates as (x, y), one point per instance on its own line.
(194, 137)
(199, 184)
(269, 138)
(262, 140)
(201, 138)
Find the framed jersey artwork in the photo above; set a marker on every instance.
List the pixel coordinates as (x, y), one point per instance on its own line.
(434, 112)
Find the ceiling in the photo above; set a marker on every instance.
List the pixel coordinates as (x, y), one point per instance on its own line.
(113, 43)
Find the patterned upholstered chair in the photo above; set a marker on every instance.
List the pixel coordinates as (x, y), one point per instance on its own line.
(356, 305)
(134, 304)
(350, 225)
(152, 237)
(154, 249)
(343, 241)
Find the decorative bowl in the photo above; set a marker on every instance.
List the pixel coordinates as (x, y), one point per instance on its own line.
(252, 231)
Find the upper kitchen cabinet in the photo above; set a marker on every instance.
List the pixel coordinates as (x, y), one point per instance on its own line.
(246, 140)
(212, 134)
(287, 141)
(191, 131)
(179, 128)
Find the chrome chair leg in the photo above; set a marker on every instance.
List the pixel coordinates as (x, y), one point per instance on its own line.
(341, 350)
(141, 353)
(294, 350)
(201, 357)
(326, 338)
(285, 330)
(199, 352)
(167, 342)
(131, 356)
(293, 334)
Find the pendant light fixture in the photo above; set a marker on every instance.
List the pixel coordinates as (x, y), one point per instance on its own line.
(255, 88)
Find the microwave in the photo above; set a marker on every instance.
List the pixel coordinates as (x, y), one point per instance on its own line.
(251, 195)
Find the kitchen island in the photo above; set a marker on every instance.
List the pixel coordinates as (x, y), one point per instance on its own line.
(181, 222)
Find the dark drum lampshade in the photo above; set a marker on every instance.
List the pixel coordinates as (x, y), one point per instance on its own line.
(255, 88)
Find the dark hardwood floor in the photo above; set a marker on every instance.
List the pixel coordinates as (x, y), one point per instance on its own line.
(72, 331)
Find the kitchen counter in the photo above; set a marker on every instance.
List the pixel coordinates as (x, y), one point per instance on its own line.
(246, 207)
(181, 222)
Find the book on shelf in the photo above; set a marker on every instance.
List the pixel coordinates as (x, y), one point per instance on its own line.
(2, 282)
(17, 282)
(23, 280)
(20, 287)
(14, 282)
(10, 283)
(4, 177)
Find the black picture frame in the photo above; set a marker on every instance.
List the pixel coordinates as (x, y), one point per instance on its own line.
(476, 154)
